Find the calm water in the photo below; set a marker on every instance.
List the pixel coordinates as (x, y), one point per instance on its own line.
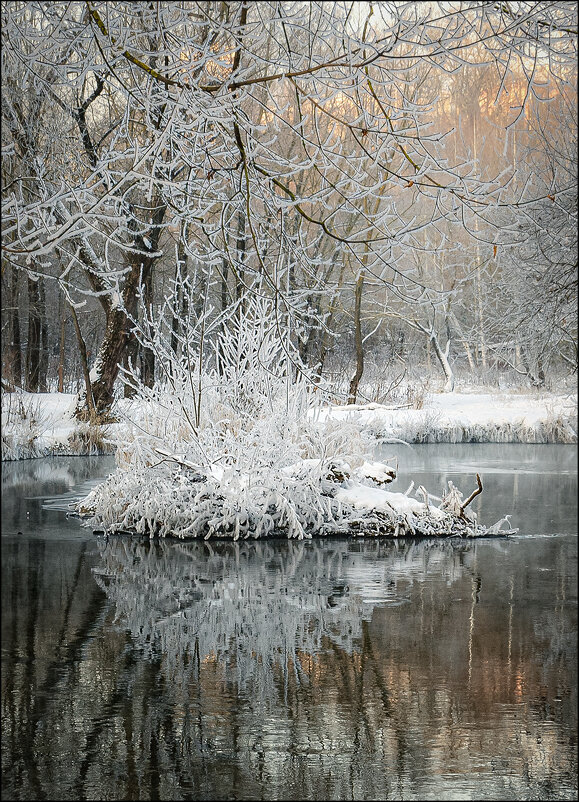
(332, 669)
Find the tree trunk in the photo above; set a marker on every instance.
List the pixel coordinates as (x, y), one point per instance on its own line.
(148, 355)
(109, 358)
(443, 359)
(478, 283)
(540, 379)
(241, 246)
(480, 317)
(224, 298)
(130, 352)
(13, 355)
(146, 280)
(358, 339)
(116, 343)
(325, 337)
(307, 343)
(44, 351)
(119, 339)
(464, 342)
(180, 277)
(33, 345)
(84, 364)
(61, 349)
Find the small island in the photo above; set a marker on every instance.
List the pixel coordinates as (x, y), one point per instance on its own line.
(311, 498)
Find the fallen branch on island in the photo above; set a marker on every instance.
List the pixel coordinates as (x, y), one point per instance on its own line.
(312, 498)
(472, 496)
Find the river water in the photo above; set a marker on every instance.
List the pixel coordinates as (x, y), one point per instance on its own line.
(362, 669)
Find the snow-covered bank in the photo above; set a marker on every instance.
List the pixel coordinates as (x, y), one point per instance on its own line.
(463, 417)
(38, 425)
(43, 425)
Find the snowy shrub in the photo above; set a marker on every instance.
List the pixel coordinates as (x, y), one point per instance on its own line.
(23, 424)
(234, 448)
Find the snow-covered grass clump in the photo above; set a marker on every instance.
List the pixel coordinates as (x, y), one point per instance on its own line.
(23, 422)
(43, 424)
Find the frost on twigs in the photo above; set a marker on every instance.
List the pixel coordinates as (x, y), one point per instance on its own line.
(307, 499)
(241, 451)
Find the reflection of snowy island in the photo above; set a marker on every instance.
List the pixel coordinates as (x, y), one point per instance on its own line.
(308, 499)
(255, 607)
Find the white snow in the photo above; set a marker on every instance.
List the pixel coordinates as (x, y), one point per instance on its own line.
(377, 472)
(37, 424)
(445, 417)
(465, 416)
(363, 498)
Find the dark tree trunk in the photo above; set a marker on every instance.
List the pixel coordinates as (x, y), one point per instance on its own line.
(224, 285)
(148, 355)
(241, 246)
(180, 278)
(225, 299)
(130, 356)
(325, 338)
(118, 340)
(129, 343)
(13, 355)
(61, 349)
(540, 373)
(84, 364)
(109, 358)
(358, 340)
(146, 279)
(44, 348)
(33, 345)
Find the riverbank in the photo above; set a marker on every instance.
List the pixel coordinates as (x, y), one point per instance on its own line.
(471, 417)
(43, 424)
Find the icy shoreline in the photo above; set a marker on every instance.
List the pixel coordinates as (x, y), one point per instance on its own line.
(41, 425)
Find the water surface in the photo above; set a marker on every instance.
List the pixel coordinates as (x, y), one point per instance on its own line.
(334, 669)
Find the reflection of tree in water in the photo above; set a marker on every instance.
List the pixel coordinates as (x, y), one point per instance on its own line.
(255, 608)
(365, 669)
(355, 668)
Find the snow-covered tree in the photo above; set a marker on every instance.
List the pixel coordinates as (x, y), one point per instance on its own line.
(280, 142)
(535, 326)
